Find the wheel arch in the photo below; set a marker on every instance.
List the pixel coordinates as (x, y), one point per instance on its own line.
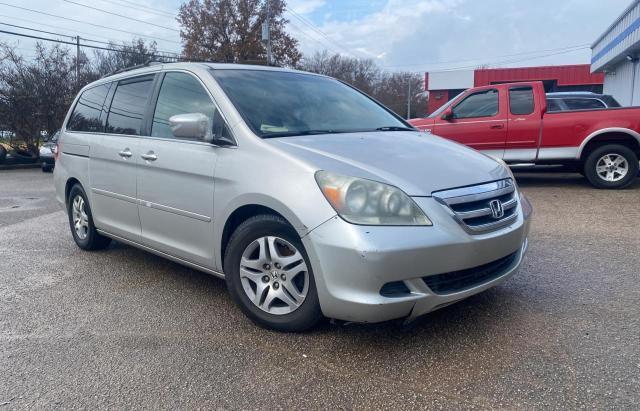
(67, 188)
(611, 135)
(241, 211)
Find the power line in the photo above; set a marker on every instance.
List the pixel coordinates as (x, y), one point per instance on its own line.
(121, 15)
(90, 24)
(172, 14)
(55, 27)
(109, 43)
(40, 31)
(140, 7)
(512, 61)
(309, 37)
(82, 45)
(317, 30)
(479, 59)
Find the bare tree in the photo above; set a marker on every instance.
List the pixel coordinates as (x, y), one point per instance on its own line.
(396, 89)
(230, 31)
(391, 89)
(363, 74)
(35, 95)
(128, 54)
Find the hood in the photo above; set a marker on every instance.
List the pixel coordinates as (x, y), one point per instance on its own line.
(417, 163)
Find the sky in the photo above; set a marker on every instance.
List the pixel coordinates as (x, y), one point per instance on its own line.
(400, 35)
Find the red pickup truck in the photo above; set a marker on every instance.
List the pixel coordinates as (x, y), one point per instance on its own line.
(510, 121)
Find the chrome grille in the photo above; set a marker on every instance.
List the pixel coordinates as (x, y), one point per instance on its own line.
(482, 208)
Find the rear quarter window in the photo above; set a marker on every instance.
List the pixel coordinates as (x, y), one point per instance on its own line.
(553, 105)
(86, 115)
(583, 103)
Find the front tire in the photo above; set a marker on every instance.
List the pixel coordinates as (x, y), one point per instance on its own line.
(269, 276)
(611, 166)
(81, 222)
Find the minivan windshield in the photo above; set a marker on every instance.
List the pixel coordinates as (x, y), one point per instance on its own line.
(280, 104)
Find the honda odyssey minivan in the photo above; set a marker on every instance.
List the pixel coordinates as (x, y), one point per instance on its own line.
(308, 197)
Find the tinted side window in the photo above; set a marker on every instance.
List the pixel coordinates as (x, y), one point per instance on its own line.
(611, 102)
(86, 113)
(521, 100)
(482, 104)
(583, 103)
(180, 93)
(128, 106)
(553, 105)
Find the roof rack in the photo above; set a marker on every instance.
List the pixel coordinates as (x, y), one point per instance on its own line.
(137, 66)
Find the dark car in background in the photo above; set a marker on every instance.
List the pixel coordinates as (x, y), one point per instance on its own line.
(16, 155)
(20, 154)
(579, 100)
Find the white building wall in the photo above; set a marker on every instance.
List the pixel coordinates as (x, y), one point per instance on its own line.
(447, 80)
(619, 81)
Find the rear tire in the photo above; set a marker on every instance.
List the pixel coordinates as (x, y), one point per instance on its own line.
(81, 222)
(611, 166)
(269, 276)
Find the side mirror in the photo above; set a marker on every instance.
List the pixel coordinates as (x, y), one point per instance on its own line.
(447, 115)
(195, 126)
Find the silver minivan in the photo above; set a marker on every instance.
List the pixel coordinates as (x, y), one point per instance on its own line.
(308, 197)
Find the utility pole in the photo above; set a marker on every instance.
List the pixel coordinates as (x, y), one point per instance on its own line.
(78, 58)
(266, 33)
(409, 99)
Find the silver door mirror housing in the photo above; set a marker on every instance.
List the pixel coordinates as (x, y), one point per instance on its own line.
(195, 126)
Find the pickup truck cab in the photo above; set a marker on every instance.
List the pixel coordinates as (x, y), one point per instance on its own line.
(511, 122)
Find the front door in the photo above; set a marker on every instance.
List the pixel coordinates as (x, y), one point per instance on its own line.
(176, 175)
(478, 121)
(114, 159)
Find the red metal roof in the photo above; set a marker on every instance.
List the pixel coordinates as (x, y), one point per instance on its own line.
(569, 75)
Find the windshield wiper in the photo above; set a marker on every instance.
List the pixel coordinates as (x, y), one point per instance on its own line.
(395, 128)
(302, 133)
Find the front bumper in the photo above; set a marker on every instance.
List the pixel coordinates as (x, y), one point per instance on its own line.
(47, 160)
(352, 263)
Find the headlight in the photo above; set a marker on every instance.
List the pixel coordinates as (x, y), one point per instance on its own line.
(367, 202)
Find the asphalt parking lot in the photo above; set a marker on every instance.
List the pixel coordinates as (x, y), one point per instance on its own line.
(124, 328)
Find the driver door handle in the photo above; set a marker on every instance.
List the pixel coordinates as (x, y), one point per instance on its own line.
(126, 153)
(497, 126)
(150, 156)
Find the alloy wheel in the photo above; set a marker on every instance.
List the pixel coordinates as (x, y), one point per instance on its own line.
(612, 167)
(80, 217)
(274, 275)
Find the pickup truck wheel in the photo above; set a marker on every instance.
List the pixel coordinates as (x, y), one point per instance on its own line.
(269, 276)
(611, 166)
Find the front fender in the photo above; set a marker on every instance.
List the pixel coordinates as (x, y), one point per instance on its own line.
(301, 221)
